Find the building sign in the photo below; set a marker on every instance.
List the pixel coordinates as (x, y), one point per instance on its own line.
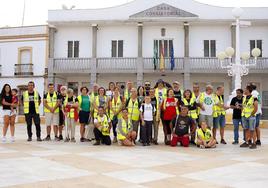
(163, 10)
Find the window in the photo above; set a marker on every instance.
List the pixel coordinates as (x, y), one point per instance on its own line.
(25, 55)
(163, 45)
(209, 48)
(255, 44)
(73, 49)
(117, 48)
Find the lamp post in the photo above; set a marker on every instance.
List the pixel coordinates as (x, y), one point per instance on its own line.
(241, 65)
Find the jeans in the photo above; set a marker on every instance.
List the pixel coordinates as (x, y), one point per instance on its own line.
(249, 123)
(258, 117)
(219, 121)
(146, 132)
(236, 129)
(29, 118)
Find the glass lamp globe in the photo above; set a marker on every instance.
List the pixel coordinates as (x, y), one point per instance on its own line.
(237, 12)
(222, 56)
(229, 51)
(256, 52)
(245, 56)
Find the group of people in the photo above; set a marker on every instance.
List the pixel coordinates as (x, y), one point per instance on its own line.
(134, 115)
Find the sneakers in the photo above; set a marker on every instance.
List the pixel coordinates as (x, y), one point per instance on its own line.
(67, 140)
(223, 141)
(4, 139)
(47, 138)
(12, 139)
(29, 139)
(82, 139)
(115, 140)
(244, 145)
(60, 137)
(235, 142)
(57, 138)
(258, 143)
(97, 143)
(39, 139)
(253, 146)
(73, 140)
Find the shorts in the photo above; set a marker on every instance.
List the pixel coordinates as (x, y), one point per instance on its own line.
(61, 116)
(84, 117)
(52, 118)
(219, 121)
(258, 117)
(206, 118)
(7, 113)
(249, 123)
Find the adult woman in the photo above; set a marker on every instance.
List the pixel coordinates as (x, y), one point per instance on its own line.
(100, 100)
(63, 93)
(84, 111)
(125, 134)
(141, 94)
(115, 106)
(110, 91)
(9, 113)
(170, 110)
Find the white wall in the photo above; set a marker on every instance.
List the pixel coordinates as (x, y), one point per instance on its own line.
(222, 35)
(151, 33)
(83, 34)
(254, 33)
(129, 34)
(9, 56)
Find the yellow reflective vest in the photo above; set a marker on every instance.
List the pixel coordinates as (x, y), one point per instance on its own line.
(133, 110)
(71, 113)
(97, 103)
(52, 102)
(26, 102)
(191, 113)
(164, 94)
(215, 101)
(115, 106)
(127, 95)
(126, 126)
(248, 107)
(105, 128)
(80, 100)
(203, 136)
(219, 110)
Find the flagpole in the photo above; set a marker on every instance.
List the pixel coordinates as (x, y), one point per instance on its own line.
(23, 13)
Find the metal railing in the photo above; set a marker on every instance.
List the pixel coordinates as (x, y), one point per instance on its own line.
(149, 63)
(128, 64)
(65, 65)
(23, 70)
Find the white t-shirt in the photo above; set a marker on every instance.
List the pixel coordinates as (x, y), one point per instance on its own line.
(148, 112)
(102, 119)
(208, 104)
(257, 95)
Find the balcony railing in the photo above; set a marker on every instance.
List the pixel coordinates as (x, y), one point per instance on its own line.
(116, 65)
(75, 65)
(23, 70)
(148, 64)
(130, 65)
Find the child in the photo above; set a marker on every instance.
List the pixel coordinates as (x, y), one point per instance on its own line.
(204, 138)
(15, 101)
(147, 113)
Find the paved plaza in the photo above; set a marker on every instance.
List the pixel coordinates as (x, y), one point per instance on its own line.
(58, 164)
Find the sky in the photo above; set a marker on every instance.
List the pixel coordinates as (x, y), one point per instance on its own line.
(11, 11)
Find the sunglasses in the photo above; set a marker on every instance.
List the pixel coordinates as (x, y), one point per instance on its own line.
(147, 84)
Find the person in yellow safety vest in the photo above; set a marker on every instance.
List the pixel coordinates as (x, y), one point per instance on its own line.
(219, 114)
(207, 101)
(31, 102)
(69, 107)
(249, 109)
(127, 92)
(160, 91)
(133, 105)
(100, 100)
(178, 92)
(189, 100)
(204, 138)
(125, 134)
(102, 125)
(93, 94)
(63, 93)
(196, 93)
(83, 101)
(51, 108)
(115, 107)
(156, 121)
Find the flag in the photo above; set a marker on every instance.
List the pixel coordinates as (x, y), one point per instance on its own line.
(162, 60)
(155, 55)
(172, 61)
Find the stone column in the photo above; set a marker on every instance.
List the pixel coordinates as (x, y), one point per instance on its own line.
(93, 73)
(140, 58)
(186, 75)
(233, 44)
(50, 66)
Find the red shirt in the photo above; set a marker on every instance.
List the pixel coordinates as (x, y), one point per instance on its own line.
(170, 111)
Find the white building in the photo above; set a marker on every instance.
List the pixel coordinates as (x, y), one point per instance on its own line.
(118, 44)
(24, 57)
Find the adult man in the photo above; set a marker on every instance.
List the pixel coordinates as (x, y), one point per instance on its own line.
(63, 93)
(181, 126)
(133, 107)
(102, 128)
(127, 92)
(236, 105)
(196, 93)
(219, 114)
(147, 87)
(257, 95)
(250, 107)
(206, 101)
(51, 102)
(178, 93)
(31, 102)
(156, 120)
(94, 92)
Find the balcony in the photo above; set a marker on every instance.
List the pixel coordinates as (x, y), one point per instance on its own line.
(117, 65)
(23, 70)
(148, 64)
(130, 65)
(71, 65)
